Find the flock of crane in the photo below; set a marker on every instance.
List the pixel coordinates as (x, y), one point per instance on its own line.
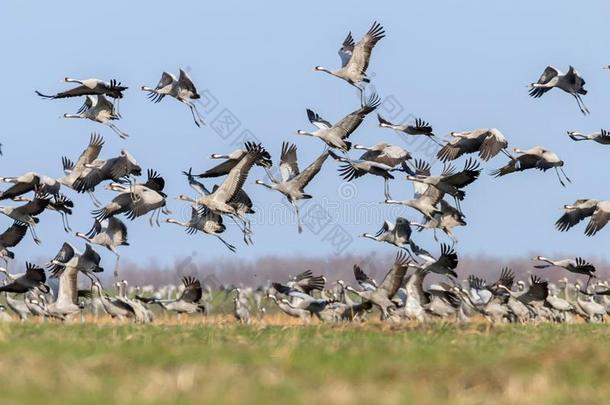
(401, 294)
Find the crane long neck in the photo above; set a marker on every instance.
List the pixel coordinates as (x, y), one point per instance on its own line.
(83, 236)
(262, 183)
(175, 221)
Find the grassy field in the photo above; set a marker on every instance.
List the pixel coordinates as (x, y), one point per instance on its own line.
(221, 362)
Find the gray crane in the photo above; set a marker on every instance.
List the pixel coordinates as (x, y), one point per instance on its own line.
(87, 87)
(418, 127)
(136, 200)
(293, 182)
(17, 306)
(451, 182)
(109, 233)
(355, 58)
(241, 311)
(113, 306)
(30, 181)
(445, 264)
(88, 262)
(188, 301)
(204, 220)
(183, 89)
(306, 282)
(426, 198)
(230, 161)
(284, 306)
(141, 314)
(28, 213)
(34, 278)
(366, 282)
(487, 142)
(602, 137)
(384, 153)
(448, 218)
(396, 233)
(355, 168)
(98, 109)
(576, 265)
(66, 302)
(86, 163)
(220, 199)
(94, 171)
(112, 89)
(599, 211)
(381, 297)
(60, 204)
(211, 222)
(570, 82)
(11, 237)
(537, 157)
(303, 300)
(336, 135)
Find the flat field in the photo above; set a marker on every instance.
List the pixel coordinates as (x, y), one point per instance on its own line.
(218, 361)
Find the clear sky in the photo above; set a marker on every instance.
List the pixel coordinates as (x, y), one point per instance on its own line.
(460, 65)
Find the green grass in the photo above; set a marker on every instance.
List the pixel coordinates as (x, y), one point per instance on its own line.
(227, 363)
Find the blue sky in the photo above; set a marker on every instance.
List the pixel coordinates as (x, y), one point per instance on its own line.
(459, 65)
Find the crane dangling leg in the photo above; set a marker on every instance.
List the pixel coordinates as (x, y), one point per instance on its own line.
(115, 107)
(433, 139)
(581, 105)
(116, 265)
(228, 245)
(296, 208)
(564, 175)
(64, 220)
(386, 188)
(559, 177)
(201, 121)
(195, 114)
(96, 202)
(120, 133)
(242, 228)
(34, 236)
